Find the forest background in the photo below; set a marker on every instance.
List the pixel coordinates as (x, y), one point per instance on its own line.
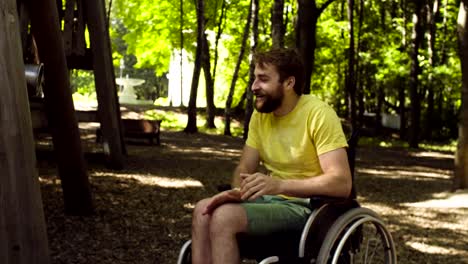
(365, 58)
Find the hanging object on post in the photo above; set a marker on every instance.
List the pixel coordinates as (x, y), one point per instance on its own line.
(34, 74)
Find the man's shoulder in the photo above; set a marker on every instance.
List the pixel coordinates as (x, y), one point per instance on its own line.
(312, 103)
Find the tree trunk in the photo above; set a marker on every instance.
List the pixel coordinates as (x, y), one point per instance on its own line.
(306, 27)
(59, 108)
(104, 79)
(209, 82)
(443, 48)
(277, 24)
(461, 158)
(227, 109)
(23, 232)
(360, 80)
(402, 110)
(192, 107)
(222, 17)
(403, 6)
(181, 52)
(402, 83)
(380, 103)
(432, 14)
(415, 114)
(253, 47)
(350, 80)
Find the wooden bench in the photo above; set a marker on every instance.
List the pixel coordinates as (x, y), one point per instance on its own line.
(138, 128)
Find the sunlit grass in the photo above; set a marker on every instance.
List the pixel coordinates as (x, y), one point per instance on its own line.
(449, 146)
(382, 142)
(177, 121)
(393, 142)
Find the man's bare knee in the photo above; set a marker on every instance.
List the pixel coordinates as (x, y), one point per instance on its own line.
(228, 219)
(198, 218)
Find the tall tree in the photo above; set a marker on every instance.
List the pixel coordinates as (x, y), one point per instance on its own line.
(417, 37)
(253, 47)
(277, 24)
(351, 80)
(181, 52)
(220, 27)
(209, 84)
(192, 107)
(359, 69)
(401, 81)
(432, 17)
(306, 27)
(461, 160)
(240, 58)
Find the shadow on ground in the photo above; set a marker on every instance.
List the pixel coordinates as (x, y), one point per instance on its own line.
(143, 213)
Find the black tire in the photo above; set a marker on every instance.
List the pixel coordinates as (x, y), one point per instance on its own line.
(352, 232)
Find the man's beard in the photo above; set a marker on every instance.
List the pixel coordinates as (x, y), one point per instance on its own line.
(271, 102)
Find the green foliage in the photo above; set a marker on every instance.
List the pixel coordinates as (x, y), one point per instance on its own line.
(82, 82)
(145, 34)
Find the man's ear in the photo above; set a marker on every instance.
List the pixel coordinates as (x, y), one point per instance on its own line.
(290, 81)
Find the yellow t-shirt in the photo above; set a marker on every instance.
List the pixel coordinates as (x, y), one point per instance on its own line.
(289, 145)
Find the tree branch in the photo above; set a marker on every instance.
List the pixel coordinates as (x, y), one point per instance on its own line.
(325, 5)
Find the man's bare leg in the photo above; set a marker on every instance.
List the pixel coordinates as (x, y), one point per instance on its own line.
(201, 244)
(226, 222)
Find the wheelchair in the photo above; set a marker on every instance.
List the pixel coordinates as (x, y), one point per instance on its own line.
(338, 230)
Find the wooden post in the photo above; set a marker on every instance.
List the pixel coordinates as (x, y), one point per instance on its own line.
(23, 236)
(104, 78)
(59, 107)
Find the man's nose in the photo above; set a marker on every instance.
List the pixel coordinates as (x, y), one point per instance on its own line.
(254, 86)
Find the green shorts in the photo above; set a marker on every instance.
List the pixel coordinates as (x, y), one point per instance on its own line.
(270, 213)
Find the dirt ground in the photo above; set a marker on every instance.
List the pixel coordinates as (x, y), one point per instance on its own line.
(143, 213)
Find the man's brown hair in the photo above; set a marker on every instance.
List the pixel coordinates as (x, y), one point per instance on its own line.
(287, 63)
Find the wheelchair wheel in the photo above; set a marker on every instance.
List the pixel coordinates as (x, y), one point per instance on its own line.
(185, 254)
(358, 236)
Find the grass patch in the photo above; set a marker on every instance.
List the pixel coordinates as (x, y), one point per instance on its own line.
(177, 121)
(450, 146)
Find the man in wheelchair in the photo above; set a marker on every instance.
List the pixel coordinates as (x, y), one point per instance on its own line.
(300, 141)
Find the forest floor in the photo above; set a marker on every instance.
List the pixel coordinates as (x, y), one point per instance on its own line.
(143, 213)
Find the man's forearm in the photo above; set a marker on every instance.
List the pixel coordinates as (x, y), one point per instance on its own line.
(236, 180)
(328, 185)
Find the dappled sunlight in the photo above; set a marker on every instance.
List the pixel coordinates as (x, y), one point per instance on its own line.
(150, 179)
(433, 249)
(49, 180)
(222, 152)
(89, 125)
(398, 173)
(381, 209)
(444, 200)
(428, 154)
(430, 219)
(189, 206)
